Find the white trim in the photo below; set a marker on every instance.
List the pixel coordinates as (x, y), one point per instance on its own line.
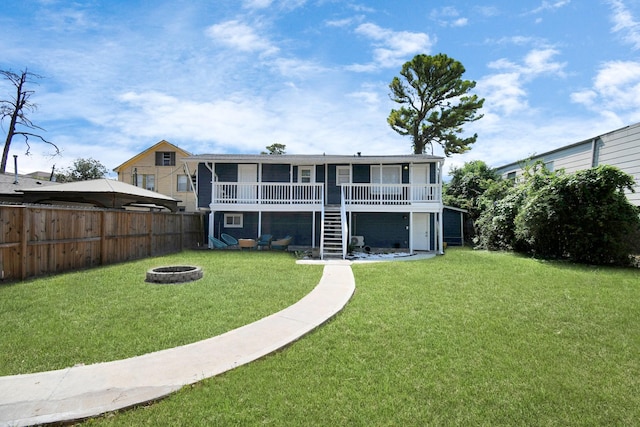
(343, 168)
(311, 177)
(233, 223)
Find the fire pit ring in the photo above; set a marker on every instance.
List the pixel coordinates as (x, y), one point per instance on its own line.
(174, 274)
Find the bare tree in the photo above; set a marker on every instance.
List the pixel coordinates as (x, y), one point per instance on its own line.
(16, 110)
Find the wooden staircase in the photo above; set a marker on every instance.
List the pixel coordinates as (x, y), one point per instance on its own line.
(332, 237)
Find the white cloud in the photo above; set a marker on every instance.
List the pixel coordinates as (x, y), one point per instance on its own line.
(257, 4)
(586, 97)
(539, 61)
(625, 22)
(460, 22)
(448, 16)
(241, 36)
(547, 5)
(340, 22)
(391, 48)
(615, 91)
(535, 63)
(505, 91)
(487, 11)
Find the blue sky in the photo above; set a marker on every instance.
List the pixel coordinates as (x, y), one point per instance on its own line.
(233, 76)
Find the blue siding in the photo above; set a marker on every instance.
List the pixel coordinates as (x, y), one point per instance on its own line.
(320, 173)
(382, 229)
(361, 174)
(299, 225)
(248, 231)
(227, 172)
(275, 173)
(204, 186)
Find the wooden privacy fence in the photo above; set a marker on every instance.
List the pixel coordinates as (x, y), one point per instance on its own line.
(39, 240)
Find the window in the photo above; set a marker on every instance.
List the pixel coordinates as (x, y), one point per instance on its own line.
(234, 220)
(549, 165)
(183, 183)
(388, 174)
(343, 175)
(511, 176)
(165, 158)
(148, 182)
(305, 173)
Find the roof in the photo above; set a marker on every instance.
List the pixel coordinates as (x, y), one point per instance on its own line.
(453, 208)
(313, 158)
(102, 192)
(153, 149)
(9, 186)
(517, 163)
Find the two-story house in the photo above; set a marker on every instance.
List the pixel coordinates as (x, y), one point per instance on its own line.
(161, 168)
(619, 148)
(325, 201)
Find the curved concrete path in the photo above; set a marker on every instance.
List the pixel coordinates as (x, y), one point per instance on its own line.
(85, 391)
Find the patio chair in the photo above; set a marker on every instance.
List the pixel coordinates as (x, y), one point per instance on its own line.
(217, 244)
(229, 240)
(265, 241)
(281, 244)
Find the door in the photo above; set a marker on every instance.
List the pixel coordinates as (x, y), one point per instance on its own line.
(420, 175)
(247, 178)
(343, 176)
(420, 232)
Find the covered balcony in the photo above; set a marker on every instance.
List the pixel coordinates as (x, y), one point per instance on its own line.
(311, 196)
(262, 196)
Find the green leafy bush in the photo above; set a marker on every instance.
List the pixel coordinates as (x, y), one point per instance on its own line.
(582, 217)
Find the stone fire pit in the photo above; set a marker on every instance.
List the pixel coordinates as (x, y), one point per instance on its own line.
(174, 274)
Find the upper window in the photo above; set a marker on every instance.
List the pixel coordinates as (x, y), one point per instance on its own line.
(511, 176)
(306, 175)
(386, 174)
(343, 175)
(165, 158)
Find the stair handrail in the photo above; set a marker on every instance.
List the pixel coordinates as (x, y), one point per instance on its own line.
(321, 225)
(343, 222)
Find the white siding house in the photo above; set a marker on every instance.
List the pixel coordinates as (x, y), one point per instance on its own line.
(619, 148)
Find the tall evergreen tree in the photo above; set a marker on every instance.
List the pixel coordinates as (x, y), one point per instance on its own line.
(435, 103)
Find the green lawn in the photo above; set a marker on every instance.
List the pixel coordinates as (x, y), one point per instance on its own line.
(469, 338)
(112, 313)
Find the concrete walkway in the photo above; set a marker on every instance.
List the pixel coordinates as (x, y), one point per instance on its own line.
(85, 391)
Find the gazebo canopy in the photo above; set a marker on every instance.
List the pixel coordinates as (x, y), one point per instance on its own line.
(106, 193)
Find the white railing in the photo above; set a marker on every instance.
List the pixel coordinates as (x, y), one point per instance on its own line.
(391, 194)
(273, 193)
(343, 221)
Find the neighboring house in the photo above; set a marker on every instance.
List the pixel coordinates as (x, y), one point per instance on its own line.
(325, 201)
(11, 186)
(619, 148)
(161, 168)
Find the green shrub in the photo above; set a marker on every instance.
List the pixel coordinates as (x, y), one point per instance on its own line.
(582, 217)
